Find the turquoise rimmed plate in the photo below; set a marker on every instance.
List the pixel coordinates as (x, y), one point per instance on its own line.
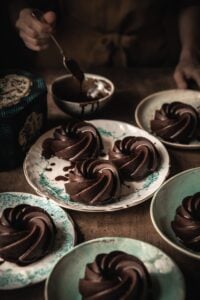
(145, 111)
(13, 276)
(63, 281)
(166, 201)
(42, 173)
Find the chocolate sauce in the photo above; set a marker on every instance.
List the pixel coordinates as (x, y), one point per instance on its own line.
(52, 164)
(75, 69)
(61, 178)
(65, 169)
(48, 169)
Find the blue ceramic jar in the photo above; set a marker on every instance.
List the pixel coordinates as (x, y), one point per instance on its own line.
(23, 122)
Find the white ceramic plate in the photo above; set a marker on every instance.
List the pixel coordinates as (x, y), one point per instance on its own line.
(167, 280)
(170, 196)
(13, 276)
(44, 183)
(145, 110)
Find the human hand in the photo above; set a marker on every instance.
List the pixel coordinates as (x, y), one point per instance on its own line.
(187, 69)
(33, 32)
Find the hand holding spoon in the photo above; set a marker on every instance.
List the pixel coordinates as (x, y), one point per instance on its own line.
(69, 63)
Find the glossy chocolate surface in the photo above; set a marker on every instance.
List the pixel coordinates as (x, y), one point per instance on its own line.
(176, 122)
(94, 182)
(116, 275)
(27, 233)
(186, 223)
(135, 158)
(77, 140)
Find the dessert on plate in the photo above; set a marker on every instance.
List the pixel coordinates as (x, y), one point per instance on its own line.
(77, 140)
(94, 182)
(27, 233)
(186, 224)
(116, 275)
(135, 157)
(176, 122)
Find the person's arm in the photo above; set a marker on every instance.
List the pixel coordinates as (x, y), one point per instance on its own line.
(34, 33)
(188, 67)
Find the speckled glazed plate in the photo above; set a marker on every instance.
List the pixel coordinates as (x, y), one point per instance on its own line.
(145, 110)
(13, 276)
(170, 196)
(167, 280)
(41, 173)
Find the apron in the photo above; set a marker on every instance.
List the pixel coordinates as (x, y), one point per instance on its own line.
(115, 32)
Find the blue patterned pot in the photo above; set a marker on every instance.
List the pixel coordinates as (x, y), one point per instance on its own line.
(22, 123)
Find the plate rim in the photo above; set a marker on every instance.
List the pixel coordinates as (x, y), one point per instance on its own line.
(98, 208)
(161, 234)
(167, 143)
(74, 237)
(116, 238)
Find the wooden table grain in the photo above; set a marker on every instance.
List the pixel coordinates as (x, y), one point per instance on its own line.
(132, 85)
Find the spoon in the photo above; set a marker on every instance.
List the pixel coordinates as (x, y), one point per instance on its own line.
(69, 63)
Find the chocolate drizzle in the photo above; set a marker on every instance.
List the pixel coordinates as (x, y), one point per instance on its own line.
(176, 122)
(93, 182)
(116, 275)
(75, 141)
(135, 158)
(61, 178)
(27, 233)
(186, 224)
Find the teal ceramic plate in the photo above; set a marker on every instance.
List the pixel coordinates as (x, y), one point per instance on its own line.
(13, 276)
(167, 279)
(145, 110)
(166, 201)
(41, 173)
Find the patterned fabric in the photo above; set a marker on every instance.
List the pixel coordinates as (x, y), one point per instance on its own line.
(116, 32)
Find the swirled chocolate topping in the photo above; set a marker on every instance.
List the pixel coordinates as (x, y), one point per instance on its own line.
(176, 122)
(116, 275)
(93, 182)
(27, 233)
(75, 141)
(186, 224)
(135, 158)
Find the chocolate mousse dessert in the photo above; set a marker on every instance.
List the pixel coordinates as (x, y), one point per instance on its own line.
(135, 158)
(94, 182)
(69, 89)
(116, 275)
(77, 140)
(186, 224)
(176, 122)
(27, 233)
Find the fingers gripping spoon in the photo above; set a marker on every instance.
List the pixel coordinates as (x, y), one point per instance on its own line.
(69, 63)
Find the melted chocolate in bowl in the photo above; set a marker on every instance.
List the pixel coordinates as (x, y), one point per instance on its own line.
(92, 89)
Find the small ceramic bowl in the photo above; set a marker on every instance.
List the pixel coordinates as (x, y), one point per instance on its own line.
(165, 202)
(63, 283)
(76, 107)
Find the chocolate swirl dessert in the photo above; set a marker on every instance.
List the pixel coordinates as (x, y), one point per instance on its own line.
(93, 182)
(27, 233)
(176, 122)
(116, 275)
(77, 140)
(135, 158)
(186, 224)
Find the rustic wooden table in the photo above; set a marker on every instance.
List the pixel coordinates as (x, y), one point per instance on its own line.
(132, 85)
